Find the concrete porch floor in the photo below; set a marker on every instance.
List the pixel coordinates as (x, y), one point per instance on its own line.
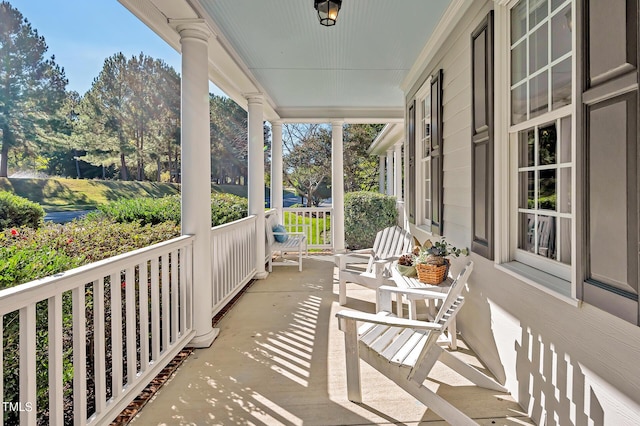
(279, 360)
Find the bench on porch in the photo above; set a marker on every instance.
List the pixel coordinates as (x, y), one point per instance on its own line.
(282, 240)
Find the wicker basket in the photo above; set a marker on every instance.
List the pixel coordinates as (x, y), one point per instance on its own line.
(432, 274)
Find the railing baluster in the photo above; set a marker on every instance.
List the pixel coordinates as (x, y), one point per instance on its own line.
(130, 324)
(100, 362)
(56, 395)
(143, 297)
(165, 284)
(79, 356)
(27, 364)
(183, 291)
(155, 309)
(116, 336)
(174, 296)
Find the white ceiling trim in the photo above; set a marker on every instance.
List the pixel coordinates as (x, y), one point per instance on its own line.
(349, 115)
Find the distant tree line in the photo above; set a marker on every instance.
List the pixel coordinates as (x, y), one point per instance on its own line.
(127, 125)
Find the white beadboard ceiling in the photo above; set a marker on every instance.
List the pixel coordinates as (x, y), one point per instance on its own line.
(353, 69)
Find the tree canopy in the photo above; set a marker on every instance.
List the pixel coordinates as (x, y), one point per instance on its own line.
(32, 88)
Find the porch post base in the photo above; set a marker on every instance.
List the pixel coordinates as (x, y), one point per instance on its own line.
(261, 275)
(205, 340)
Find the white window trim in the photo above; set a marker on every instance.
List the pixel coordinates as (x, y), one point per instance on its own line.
(421, 221)
(505, 174)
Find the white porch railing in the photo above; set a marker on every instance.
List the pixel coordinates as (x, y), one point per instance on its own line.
(319, 219)
(99, 333)
(233, 259)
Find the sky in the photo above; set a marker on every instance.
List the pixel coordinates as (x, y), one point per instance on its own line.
(83, 33)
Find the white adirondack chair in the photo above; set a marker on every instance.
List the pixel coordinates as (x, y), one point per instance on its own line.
(406, 350)
(295, 242)
(389, 244)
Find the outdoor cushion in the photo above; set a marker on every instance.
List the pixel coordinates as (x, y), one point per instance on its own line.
(279, 233)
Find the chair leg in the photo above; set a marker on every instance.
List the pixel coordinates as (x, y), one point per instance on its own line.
(270, 261)
(352, 357)
(342, 298)
(453, 340)
(300, 259)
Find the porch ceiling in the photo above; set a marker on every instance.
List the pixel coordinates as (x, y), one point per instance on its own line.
(353, 71)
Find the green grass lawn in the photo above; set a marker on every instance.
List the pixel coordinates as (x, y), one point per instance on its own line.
(315, 225)
(59, 194)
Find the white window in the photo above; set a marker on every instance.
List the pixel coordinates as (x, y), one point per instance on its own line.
(541, 134)
(424, 135)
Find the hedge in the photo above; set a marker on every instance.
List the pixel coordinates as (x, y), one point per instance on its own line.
(17, 211)
(366, 213)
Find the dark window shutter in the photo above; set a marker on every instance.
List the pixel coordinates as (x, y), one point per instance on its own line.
(482, 138)
(610, 98)
(411, 163)
(436, 154)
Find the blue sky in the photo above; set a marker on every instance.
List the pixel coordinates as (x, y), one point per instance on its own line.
(83, 33)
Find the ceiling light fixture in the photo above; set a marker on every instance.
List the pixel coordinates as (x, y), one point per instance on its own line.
(327, 11)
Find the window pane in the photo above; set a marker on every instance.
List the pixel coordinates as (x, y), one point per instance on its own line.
(538, 49)
(561, 33)
(561, 81)
(539, 95)
(519, 104)
(547, 190)
(526, 236)
(564, 190)
(556, 3)
(546, 231)
(537, 12)
(426, 146)
(519, 62)
(526, 139)
(547, 142)
(518, 21)
(527, 190)
(565, 140)
(564, 240)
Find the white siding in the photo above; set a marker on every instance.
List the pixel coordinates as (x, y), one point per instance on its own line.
(565, 364)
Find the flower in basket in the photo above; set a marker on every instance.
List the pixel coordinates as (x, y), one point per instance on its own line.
(431, 263)
(435, 253)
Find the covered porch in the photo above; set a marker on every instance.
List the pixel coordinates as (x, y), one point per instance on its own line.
(279, 359)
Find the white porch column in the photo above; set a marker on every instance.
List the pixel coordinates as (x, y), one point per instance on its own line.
(276, 167)
(397, 171)
(196, 173)
(337, 186)
(390, 172)
(256, 177)
(381, 160)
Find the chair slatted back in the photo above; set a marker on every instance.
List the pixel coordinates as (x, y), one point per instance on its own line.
(391, 241)
(449, 309)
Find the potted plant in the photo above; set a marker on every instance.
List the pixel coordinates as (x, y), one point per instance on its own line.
(430, 261)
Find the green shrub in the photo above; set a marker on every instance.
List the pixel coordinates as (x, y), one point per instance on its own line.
(17, 211)
(145, 210)
(27, 254)
(224, 208)
(366, 213)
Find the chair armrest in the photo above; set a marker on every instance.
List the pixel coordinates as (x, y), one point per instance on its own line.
(368, 251)
(424, 293)
(385, 319)
(343, 259)
(385, 292)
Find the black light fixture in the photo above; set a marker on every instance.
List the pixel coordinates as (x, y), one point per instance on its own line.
(327, 11)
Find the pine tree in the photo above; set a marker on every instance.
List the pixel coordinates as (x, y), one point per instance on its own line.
(32, 88)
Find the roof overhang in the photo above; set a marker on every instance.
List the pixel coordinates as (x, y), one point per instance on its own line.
(391, 135)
